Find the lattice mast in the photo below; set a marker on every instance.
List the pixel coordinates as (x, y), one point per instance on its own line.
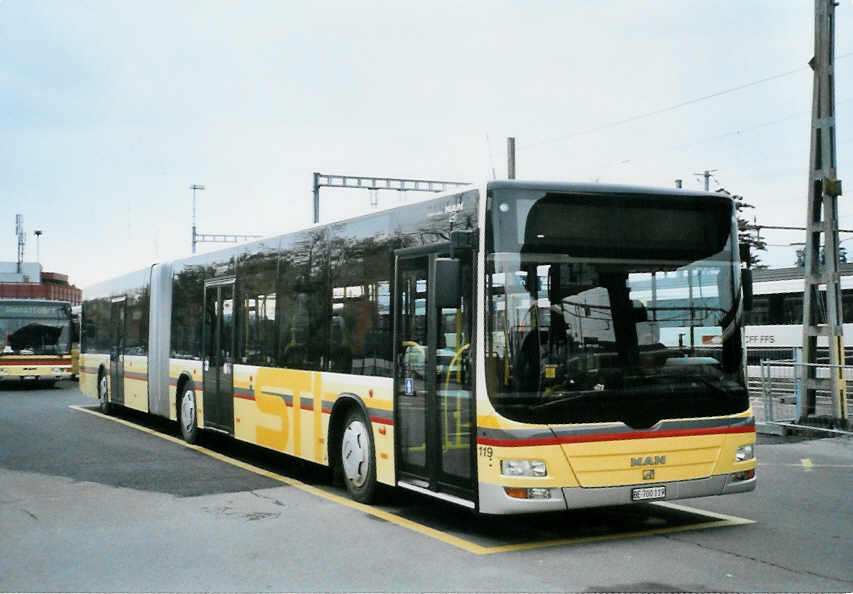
(22, 240)
(823, 318)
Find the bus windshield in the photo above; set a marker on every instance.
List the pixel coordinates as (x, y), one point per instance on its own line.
(34, 328)
(605, 308)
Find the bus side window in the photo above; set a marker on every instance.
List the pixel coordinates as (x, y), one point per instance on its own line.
(293, 333)
(256, 338)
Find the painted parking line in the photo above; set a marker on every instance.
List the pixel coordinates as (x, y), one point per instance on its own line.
(804, 464)
(716, 520)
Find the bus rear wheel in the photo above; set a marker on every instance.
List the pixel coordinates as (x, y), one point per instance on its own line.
(357, 458)
(103, 395)
(187, 413)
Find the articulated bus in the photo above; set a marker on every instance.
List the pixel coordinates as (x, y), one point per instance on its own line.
(35, 340)
(498, 347)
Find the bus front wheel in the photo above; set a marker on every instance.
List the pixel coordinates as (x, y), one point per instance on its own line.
(187, 415)
(357, 458)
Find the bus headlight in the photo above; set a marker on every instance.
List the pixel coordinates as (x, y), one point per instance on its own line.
(523, 468)
(743, 453)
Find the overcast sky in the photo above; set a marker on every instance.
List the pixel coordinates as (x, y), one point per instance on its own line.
(110, 110)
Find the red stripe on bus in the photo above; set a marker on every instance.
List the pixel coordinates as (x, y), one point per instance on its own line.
(381, 421)
(35, 361)
(539, 441)
(244, 396)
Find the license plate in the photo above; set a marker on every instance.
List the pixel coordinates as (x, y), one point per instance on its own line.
(29, 377)
(646, 493)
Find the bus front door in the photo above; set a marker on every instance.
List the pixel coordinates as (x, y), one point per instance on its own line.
(433, 394)
(118, 308)
(218, 336)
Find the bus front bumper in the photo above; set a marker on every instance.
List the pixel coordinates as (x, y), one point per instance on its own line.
(495, 500)
(19, 372)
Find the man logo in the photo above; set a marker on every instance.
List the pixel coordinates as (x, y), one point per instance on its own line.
(649, 474)
(648, 461)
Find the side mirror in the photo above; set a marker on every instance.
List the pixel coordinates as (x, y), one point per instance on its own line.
(746, 287)
(638, 312)
(744, 253)
(447, 285)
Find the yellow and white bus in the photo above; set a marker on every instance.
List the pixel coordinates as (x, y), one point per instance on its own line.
(499, 347)
(35, 340)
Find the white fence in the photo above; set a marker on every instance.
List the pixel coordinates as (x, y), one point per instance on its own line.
(783, 394)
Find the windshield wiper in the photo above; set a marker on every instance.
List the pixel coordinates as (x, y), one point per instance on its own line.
(564, 397)
(671, 386)
(717, 385)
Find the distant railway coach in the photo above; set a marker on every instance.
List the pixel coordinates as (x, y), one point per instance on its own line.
(774, 327)
(511, 347)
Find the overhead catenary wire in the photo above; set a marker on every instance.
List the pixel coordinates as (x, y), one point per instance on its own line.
(732, 133)
(662, 110)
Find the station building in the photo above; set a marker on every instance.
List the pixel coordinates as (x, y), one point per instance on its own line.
(29, 281)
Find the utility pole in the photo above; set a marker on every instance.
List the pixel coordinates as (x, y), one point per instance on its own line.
(195, 187)
(822, 220)
(510, 157)
(707, 176)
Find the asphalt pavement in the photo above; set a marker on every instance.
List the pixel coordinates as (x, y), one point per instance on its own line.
(93, 503)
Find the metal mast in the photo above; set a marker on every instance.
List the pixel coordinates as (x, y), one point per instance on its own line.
(214, 237)
(323, 180)
(822, 220)
(194, 188)
(22, 240)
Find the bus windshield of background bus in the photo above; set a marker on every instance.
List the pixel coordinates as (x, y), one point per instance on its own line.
(34, 329)
(612, 309)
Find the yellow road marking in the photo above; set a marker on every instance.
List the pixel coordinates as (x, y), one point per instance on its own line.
(720, 520)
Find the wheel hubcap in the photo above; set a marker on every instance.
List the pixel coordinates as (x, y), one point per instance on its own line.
(355, 453)
(188, 410)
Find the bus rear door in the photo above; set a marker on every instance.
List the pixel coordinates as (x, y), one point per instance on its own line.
(218, 360)
(118, 309)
